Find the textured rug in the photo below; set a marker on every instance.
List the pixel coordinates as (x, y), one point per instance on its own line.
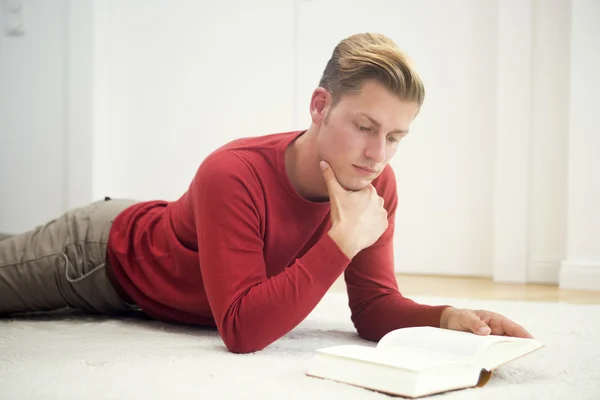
(70, 356)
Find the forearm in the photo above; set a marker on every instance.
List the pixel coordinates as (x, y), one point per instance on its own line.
(256, 317)
(391, 311)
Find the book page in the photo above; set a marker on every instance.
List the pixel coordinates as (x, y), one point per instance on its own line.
(440, 341)
(408, 359)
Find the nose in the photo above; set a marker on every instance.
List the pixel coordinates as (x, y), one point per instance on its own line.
(376, 149)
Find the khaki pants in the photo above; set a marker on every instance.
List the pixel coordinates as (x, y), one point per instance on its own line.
(62, 264)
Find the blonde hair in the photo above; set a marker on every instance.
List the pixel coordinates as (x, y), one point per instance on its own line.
(366, 56)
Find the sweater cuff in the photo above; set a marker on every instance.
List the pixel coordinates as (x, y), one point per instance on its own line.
(432, 315)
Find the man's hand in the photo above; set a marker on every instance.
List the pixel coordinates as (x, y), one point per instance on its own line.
(358, 218)
(481, 322)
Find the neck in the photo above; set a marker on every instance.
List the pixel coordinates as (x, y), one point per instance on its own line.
(302, 165)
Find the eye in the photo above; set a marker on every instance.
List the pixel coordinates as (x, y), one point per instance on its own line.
(363, 128)
(393, 139)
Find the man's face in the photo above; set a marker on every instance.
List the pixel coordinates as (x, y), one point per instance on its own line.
(359, 136)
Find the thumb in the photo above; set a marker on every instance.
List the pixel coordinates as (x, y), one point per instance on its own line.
(472, 323)
(333, 185)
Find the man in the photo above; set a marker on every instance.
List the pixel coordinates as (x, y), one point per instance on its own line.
(265, 228)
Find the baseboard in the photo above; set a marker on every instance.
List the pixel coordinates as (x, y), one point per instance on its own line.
(580, 275)
(543, 271)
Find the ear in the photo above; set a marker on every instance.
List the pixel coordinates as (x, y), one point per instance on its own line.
(319, 104)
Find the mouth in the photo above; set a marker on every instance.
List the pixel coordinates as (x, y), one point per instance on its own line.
(365, 170)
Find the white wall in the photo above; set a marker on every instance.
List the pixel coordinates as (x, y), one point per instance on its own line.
(531, 135)
(547, 187)
(83, 92)
(153, 87)
(581, 268)
(178, 79)
(32, 117)
(512, 139)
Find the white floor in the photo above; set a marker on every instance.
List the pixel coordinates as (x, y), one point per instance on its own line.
(70, 357)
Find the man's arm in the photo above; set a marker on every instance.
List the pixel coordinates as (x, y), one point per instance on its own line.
(251, 310)
(376, 304)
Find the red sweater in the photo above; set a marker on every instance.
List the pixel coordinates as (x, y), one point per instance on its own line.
(243, 252)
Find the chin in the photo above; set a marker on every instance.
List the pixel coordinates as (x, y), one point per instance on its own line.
(357, 184)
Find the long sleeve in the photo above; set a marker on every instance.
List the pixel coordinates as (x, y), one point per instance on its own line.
(376, 304)
(252, 310)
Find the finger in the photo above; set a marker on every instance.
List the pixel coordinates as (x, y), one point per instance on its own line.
(471, 322)
(504, 326)
(375, 195)
(333, 185)
(501, 325)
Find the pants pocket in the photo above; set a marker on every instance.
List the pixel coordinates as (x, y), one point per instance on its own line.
(90, 288)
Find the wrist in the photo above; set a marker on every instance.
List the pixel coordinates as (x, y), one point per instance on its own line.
(344, 241)
(445, 317)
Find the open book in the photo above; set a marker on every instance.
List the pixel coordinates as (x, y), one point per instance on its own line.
(416, 362)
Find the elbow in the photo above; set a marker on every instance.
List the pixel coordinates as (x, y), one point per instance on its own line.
(368, 334)
(241, 334)
(241, 342)
(369, 329)
(242, 345)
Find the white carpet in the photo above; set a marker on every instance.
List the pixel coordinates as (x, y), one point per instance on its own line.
(75, 357)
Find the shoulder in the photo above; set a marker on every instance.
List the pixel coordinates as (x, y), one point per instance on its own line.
(244, 160)
(268, 143)
(247, 155)
(224, 169)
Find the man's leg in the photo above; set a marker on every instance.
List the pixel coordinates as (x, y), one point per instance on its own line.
(62, 264)
(4, 236)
